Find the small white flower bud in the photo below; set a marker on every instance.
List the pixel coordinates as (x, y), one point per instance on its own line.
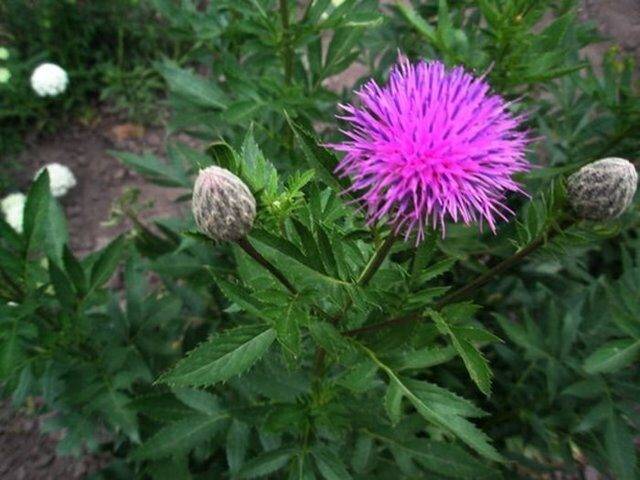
(49, 80)
(602, 190)
(223, 205)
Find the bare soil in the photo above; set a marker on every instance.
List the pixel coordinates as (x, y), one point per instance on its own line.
(25, 453)
(102, 179)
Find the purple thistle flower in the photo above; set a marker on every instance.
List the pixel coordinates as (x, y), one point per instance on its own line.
(430, 145)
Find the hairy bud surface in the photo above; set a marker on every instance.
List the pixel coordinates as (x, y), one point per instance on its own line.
(223, 205)
(602, 190)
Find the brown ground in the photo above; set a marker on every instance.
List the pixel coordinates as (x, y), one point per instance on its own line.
(101, 177)
(24, 452)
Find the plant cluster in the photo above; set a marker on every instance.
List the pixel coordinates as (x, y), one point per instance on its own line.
(106, 46)
(282, 332)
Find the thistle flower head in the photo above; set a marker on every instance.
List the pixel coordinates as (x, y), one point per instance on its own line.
(12, 207)
(223, 205)
(49, 80)
(61, 178)
(602, 190)
(433, 144)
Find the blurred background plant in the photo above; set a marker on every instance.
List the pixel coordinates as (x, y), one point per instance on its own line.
(259, 81)
(107, 47)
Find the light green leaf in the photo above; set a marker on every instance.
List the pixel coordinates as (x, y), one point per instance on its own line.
(37, 209)
(473, 360)
(266, 463)
(107, 262)
(330, 465)
(393, 402)
(257, 171)
(224, 356)
(181, 436)
(441, 458)
(237, 445)
(620, 449)
(152, 168)
(202, 91)
(459, 426)
(613, 356)
(417, 21)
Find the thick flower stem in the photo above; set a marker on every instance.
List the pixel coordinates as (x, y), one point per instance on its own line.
(481, 280)
(367, 274)
(257, 256)
(472, 286)
(376, 260)
(369, 271)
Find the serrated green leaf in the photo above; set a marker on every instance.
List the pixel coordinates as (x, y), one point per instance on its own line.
(36, 210)
(326, 336)
(202, 91)
(152, 168)
(106, 263)
(180, 436)
(613, 356)
(319, 158)
(621, 449)
(330, 465)
(417, 21)
(266, 463)
(459, 426)
(475, 363)
(75, 271)
(393, 402)
(237, 445)
(257, 171)
(441, 458)
(224, 356)
(62, 286)
(362, 453)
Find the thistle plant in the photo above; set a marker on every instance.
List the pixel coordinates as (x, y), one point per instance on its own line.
(328, 309)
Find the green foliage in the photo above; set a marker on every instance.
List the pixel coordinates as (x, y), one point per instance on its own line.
(200, 363)
(106, 47)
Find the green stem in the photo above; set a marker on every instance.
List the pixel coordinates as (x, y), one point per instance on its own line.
(369, 271)
(470, 287)
(257, 256)
(376, 260)
(367, 274)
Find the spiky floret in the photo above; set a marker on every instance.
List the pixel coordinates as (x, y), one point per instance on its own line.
(432, 144)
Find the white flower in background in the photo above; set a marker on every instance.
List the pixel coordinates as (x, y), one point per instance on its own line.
(12, 207)
(5, 75)
(4, 53)
(61, 178)
(49, 80)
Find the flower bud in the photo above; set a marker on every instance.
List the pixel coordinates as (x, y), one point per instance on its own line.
(602, 190)
(223, 205)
